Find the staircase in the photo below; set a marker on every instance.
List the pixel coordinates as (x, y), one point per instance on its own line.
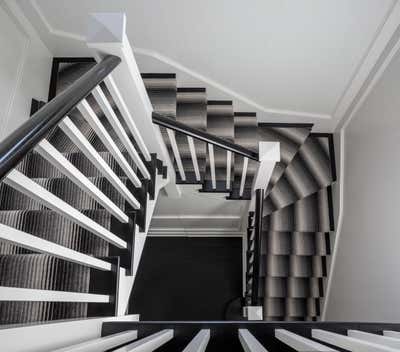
(71, 208)
(190, 106)
(297, 208)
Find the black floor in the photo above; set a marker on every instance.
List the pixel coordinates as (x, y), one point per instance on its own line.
(183, 278)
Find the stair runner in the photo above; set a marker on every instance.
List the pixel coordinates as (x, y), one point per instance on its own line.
(189, 105)
(22, 268)
(297, 222)
(297, 207)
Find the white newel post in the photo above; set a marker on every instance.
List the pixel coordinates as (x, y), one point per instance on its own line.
(269, 155)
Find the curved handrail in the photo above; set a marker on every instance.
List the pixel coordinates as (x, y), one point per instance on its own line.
(165, 121)
(16, 145)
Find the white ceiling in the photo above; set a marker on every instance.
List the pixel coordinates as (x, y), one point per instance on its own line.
(290, 61)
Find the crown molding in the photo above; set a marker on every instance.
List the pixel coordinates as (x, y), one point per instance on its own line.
(368, 70)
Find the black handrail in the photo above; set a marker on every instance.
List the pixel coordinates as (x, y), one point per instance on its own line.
(15, 146)
(257, 246)
(168, 122)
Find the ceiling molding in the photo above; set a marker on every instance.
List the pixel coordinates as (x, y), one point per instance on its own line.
(351, 98)
(197, 217)
(233, 94)
(371, 63)
(194, 232)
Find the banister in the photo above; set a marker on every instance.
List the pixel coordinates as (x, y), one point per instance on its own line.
(165, 121)
(257, 245)
(16, 145)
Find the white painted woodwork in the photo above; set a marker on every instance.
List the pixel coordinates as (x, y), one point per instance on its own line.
(194, 157)
(175, 150)
(349, 343)
(21, 183)
(94, 122)
(55, 334)
(73, 133)
(244, 174)
(390, 333)
(300, 343)
(102, 343)
(228, 168)
(37, 244)
(149, 343)
(212, 165)
(33, 295)
(53, 156)
(119, 129)
(253, 312)
(130, 122)
(374, 338)
(249, 342)
(199, 342)
(269, 154)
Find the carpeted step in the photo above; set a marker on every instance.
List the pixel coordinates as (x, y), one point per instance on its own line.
(66, 190)
(38, 271)
(295, 243)
(191, 110)
(35, 166)
(291, 309)
(309, 171)
(52, 227)
(245, 125)
(220, 123)
(310, 214)
(162, 91)
(290, 139)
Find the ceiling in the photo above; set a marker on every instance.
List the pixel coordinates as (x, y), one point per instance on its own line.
(290, 61)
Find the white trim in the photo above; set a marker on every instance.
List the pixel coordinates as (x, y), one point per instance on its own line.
(174, 146)
(102, 343)
(50, 28)
(199, 342)
(390, 333)
(32, 295)
(347, 99)
(212, 165)
(349, 343)
(367, 65)
(21, 183)
(149, 343)
(198, 217)
(249, 342)
(48, 336)
(37, 244)
(90, 116)
(235, 95)
(228, 168)
(53, 156)
(300, 343)
(194, 157)
(244, 173)
(119, 129)
(76, 136)
(374, 338)
(130, 122)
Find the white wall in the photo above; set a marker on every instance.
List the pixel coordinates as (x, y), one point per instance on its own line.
(366, 277)
(25, 65)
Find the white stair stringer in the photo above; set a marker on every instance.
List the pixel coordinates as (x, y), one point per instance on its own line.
(126, 282)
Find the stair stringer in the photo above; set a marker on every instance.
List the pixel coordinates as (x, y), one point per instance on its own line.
(126, 282)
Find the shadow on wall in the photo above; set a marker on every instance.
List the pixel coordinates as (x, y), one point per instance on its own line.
(183, 278)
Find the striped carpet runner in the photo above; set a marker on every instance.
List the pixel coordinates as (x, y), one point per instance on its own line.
(23, 268)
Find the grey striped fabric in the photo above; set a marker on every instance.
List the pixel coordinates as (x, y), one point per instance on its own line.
(22, 268)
